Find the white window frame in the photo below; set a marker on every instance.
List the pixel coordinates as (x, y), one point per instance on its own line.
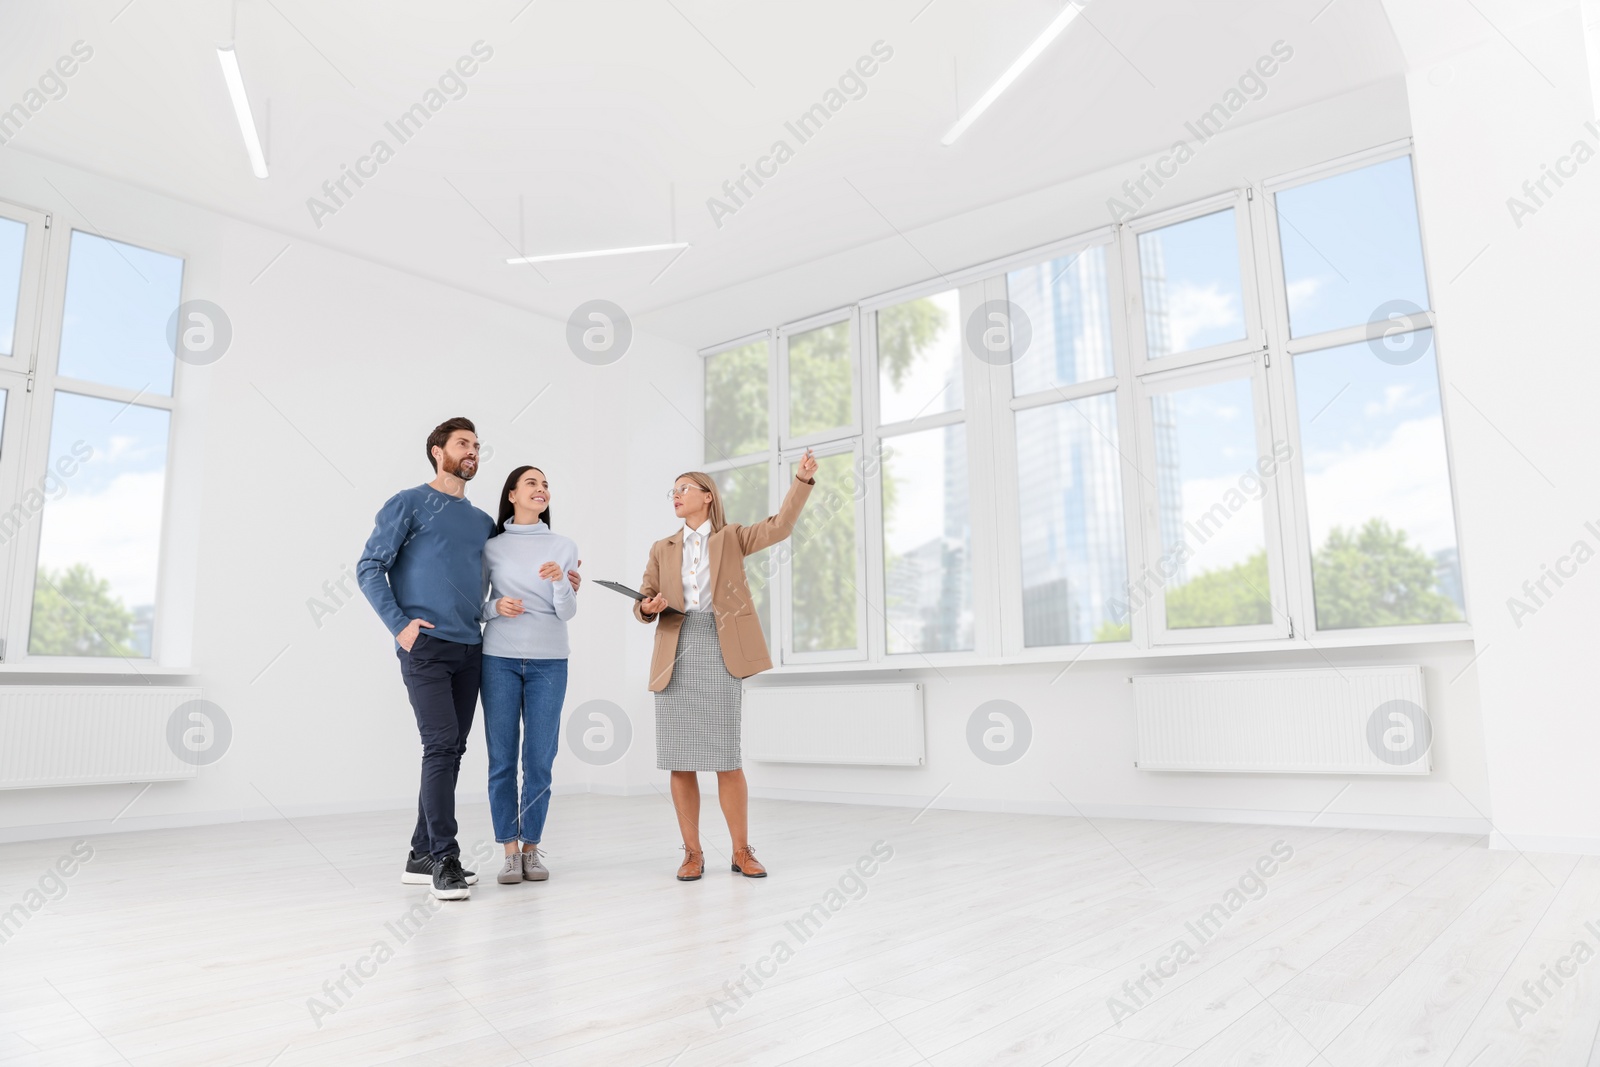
(788, 441)
(1254, 339)
(1297, 521)
(1264, 355)
(1007, 474)
(169, 634)
(973, 384)
(1237, 368)
(763, 457)
(788, 461)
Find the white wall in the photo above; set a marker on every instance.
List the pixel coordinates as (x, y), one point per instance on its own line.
(1518, 340)
(357, 355)
(363, 361)
(1083, 746)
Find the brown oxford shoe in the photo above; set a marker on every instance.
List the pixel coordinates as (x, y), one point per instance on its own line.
(745, 863)
(694, 864)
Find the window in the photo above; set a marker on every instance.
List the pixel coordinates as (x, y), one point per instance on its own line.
(1071, 526)
(1212, 568)
(84, 538)
(1376, 476)
(1074, 561)
(821, 377)
(826, 614)
(1193, 292)
(1217, 425)
(1350, 246)
(13, 242)
(738, 449)
(922, 478)
(736, 402)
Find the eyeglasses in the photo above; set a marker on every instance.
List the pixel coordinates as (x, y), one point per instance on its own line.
(678, 490)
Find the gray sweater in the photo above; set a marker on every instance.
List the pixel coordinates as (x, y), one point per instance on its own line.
(511, 563)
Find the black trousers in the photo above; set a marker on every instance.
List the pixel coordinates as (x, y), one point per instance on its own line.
(442, 680)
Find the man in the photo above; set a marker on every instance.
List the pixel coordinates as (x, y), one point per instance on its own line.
(422, 572)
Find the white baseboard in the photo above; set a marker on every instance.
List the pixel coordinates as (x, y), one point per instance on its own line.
(1568, 846)
(222, 816)
(1246, 816)
(1426, 824)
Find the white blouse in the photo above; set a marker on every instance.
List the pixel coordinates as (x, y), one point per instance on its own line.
(697, 567)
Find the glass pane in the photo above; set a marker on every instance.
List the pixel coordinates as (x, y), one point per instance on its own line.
(819, 379)
(1377, 487)
(13, 237)
(744, 500)
(100, 543)
(1193, 296)
(1351, 245)
(823, 583)
(119, 299)
(736, 402)
(1074, 557)
(1068, 307)
(927, 541)
(919, 358)
(1213, 530)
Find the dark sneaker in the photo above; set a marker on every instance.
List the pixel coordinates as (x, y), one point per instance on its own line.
(449, 880)
(419, 870)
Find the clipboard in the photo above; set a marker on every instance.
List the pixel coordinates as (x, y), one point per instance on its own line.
(635, 594)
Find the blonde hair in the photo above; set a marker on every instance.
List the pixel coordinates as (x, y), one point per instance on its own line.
(709, 484)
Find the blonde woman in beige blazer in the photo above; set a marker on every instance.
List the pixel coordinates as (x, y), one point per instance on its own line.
(704, 648)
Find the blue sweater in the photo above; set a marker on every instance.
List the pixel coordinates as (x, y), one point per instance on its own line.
(424, 560)
(511, 563)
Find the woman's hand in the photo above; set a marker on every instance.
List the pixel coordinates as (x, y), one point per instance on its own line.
(807, 470)
(653, 605)
(509, 606)
(574, 577)
(551, 572)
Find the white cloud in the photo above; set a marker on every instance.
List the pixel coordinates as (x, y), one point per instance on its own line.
(1193, 310)
(116, 531)
(1404, 481)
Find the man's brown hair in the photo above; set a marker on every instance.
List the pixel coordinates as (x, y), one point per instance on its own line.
(441, 435)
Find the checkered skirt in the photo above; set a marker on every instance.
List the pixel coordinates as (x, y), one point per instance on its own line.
(697, 714)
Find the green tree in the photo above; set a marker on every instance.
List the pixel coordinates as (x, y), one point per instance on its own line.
(76, 614)
(1375, 577)
(1228, 596)
(904, 331)
(736, 403)
(1114, 631)
(819, 379)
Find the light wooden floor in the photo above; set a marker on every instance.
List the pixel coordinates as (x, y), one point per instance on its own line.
(984, 939)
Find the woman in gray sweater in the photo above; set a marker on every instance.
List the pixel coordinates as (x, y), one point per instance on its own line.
(524, 664)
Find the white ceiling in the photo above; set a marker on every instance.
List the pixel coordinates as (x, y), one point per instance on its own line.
(577, 132)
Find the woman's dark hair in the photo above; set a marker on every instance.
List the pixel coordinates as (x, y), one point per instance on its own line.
(506, 509)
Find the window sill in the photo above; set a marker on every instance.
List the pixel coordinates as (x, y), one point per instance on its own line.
(88, 667)
(1125, 651)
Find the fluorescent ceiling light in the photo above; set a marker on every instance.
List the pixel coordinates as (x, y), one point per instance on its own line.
(518, 260)
(1040, 43)
(241, 108)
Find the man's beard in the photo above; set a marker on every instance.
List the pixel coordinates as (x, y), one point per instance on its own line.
(465, 476)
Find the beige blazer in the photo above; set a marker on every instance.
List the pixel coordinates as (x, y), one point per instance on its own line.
(744, 649)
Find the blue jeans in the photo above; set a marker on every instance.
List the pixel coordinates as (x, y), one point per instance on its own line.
(521, 695)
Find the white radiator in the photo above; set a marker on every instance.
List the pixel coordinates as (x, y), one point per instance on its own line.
(1353, 720)
(877, 725)
(85, 735)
